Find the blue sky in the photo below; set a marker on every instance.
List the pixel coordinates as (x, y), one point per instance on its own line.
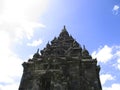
(26, 25)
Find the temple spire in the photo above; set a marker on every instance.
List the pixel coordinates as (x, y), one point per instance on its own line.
(36, 55)
(38, 51)
(84, 47)
(64, 27)
(85, 53)
(62, 65)
(64, 32)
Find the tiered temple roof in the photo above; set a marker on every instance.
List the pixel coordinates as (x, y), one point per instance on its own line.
(62, 65)
(62, 46)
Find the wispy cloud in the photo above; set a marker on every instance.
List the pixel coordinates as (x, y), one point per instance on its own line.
(114, 86)
(106, 77)
(103, 54)
(18, 20)
(118, 63)
(35, 43)
(108, 53)
(21, 16)
(117, 57)
(13, 86)
(10, 66)
(116, 9)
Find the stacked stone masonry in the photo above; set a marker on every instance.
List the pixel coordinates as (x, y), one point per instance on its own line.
(62, 65)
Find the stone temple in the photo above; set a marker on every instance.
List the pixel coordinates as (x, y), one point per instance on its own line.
(62, 65)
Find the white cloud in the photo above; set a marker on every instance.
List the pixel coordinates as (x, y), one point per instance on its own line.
(20, 17)
(10, 68)
(116, 9)
(13, 86)
(103, 54)
(107, 53)
(118, 63)
(26, 28)
(117, 55)
(35, 43)
(115, 86)
(10, 63)
(18, 20)
(106, 77)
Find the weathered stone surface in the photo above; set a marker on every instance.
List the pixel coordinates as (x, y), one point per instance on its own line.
(62, 65)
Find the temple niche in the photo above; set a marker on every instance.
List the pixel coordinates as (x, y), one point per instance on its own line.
(62, 65)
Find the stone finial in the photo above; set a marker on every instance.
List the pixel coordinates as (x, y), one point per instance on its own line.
(36, 55)
(64, 32)
(84, 47)
(85, 53)
(64, 27)
(48, 45)
(38, 50)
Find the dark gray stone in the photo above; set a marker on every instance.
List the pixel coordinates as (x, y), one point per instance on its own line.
(62, 65)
